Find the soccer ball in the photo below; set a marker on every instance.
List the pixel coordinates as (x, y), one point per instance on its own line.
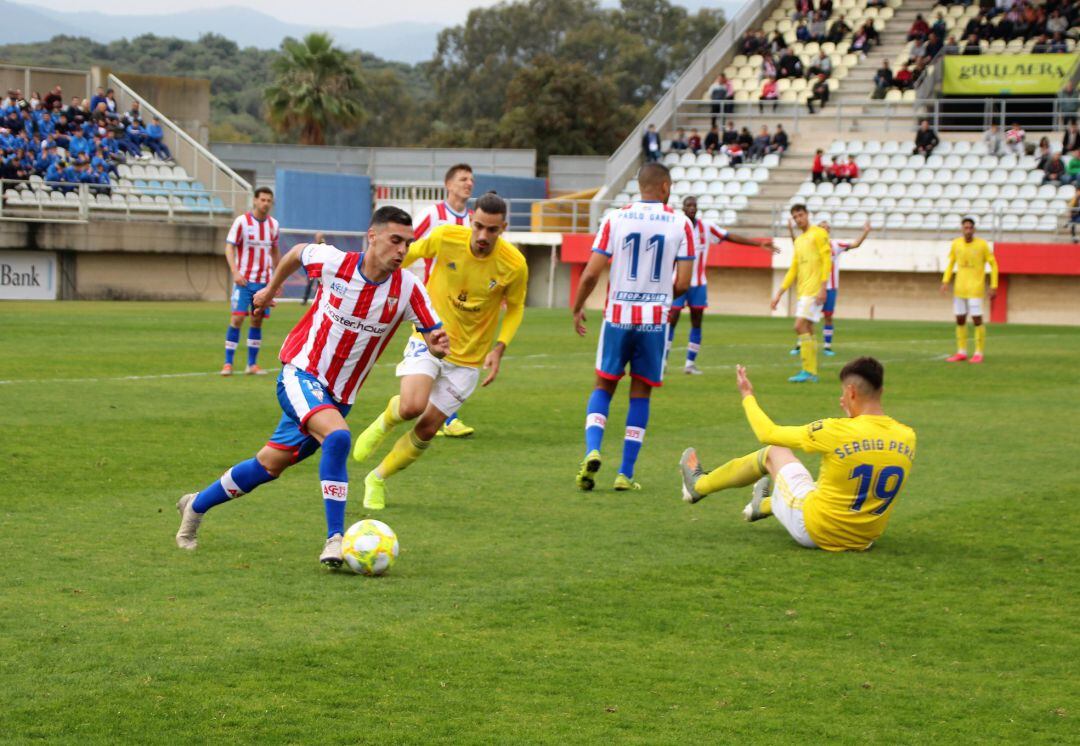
(370, 547)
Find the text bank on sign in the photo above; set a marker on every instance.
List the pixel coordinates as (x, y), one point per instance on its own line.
(28, 275)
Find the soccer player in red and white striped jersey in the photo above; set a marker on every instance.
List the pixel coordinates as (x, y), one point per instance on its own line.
(361, 301)
(451, 211)
(251, 250)
(697, 296)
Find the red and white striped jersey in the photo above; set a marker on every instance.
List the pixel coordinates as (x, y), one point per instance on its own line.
(705, 232)
(254, 240)
(644, 240)
(352, 319)
(431, 218)
(838, 248)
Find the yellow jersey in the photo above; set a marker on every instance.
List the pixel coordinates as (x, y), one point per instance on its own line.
(811, 263)
(865, 462)
(468, 291)
(970, 260)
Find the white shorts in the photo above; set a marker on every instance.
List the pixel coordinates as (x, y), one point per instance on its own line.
(808, 308)
(967, 306)
(453, 383)
(793, 484)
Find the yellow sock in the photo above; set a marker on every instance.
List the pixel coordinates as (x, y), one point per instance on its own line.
(980, 338)
(391, 416)
(961, 338)
(808, 353)
(407, 449)
(738, 472)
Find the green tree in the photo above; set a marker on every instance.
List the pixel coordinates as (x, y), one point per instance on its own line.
(560, 108)
(316, 89)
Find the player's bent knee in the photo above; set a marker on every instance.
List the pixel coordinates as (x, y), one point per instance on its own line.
(274, 460)
(428, 425)
(779, 457)
(337, 443)
(976, 320)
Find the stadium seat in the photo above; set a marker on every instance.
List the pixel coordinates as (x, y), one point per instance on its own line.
(877, 220)
(692, 173)
(1047, 223)
(890, 147)
(843, 189)
(931, 221)
(671, 159)
(913, 220)
(917, 189)
(1010, 222)
(894, 220)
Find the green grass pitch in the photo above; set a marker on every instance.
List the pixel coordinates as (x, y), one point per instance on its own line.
(520, 609)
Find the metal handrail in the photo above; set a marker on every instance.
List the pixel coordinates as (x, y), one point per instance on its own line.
(239, 189)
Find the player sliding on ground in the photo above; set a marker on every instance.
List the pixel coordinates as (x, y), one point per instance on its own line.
(645, 241)
(810, 265)
(361, 300)
(969, 256)
(697, 297)
(866, 458)
(475, 272)
(832, 287)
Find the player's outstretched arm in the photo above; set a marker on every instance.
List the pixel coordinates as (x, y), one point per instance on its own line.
(764, 428)
(589, 277)
(862, 237)
(761, 243)
(288, 264)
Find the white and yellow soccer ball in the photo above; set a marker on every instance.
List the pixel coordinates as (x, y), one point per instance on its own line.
(370, 547)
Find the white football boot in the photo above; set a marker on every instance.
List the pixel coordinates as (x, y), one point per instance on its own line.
(189, 523)
(331, 553)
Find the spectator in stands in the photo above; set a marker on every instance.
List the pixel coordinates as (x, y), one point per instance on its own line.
(860, 43)
(734, 152)
(1054, 170)
(1070, 141)
(994, 142)
(112, 108)
(101, 180)
(1042, 154)
(803, 9)
(925, 139)
(972, 45)
(98, 98)
(825, 7)
(1068, 103)
(720, 92)
(779, 142)
(134, 115)
(934, 44)
(745, 139)
(843, 169)
(1072, 169)
(802, 33)
(1058, 45)
(761, 144)
(769, 92)
(768, 67)
(1056, 23)
(778, 42)
(74, 109)
(872, 34)
(817, 168)
(155, 140)
(939, 26)
(820, 65)
(678, 142)
(53, 97)
(1014, 139)
(712, 139)
(818, 31)
(904, 78)
(875, 3)
(819, 91)
(918, 52)
(883, 79)
(1041, 45)
(650, 143)
(730, 134)
(694, 142)
(919, 30)
(789, 66)
(838, 30)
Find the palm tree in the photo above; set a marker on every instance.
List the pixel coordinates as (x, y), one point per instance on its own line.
(316, 88)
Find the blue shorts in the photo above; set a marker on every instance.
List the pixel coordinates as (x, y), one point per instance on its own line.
(696, 297)
(300, 395)
(830, 301)
(640, 346)
(241, 298)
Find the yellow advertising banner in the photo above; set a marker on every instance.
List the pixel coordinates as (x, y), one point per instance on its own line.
(1006, 74)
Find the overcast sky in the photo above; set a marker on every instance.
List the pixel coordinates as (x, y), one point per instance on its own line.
(357, 13)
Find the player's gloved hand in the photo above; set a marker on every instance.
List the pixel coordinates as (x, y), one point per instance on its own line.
(579, 323)
(745, 387)
(438, 342)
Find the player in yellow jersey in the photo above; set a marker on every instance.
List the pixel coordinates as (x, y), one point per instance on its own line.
(866, 458)
(810, 268)
(969, 256)
(475, 272)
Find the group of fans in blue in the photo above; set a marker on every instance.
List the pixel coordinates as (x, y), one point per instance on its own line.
(80, 143)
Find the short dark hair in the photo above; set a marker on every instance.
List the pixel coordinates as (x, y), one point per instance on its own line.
(689, 197)
(653, 174)
(264, 190)
(390, 214)
(968, 219)
(868, 370)
(798, 207)
(492, 204)
(453, 170)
